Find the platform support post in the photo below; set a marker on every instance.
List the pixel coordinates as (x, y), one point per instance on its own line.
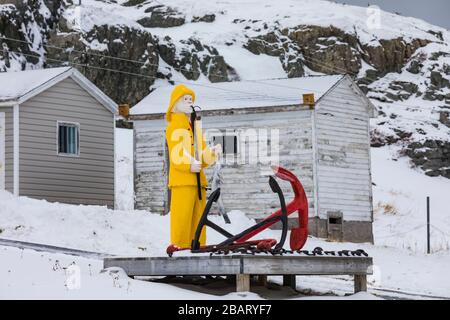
(262, 280)
(360, 282)
(242, 282)
(289, 281)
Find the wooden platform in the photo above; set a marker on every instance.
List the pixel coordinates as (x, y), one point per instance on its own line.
(244, 266)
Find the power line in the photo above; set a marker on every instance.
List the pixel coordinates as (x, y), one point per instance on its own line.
(311, 60)
(342, 71)
(308, 59)
(83, 65)
(151, 77)
(74, 50)
(110, 57)
(152, 64)
(140, 62)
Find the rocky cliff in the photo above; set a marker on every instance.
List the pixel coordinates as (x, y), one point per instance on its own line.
(126, 47)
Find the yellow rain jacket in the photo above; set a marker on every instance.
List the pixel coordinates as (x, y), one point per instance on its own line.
(180, 142)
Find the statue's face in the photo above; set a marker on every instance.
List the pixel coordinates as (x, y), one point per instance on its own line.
(184, 104)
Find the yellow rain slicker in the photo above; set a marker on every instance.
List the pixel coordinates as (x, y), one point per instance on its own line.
(185, 206)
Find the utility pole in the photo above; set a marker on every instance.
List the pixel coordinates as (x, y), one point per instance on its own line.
(428, 225)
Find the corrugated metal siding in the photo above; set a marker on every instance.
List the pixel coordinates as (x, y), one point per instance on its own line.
(87, 179)
(9, 151)
(343, 154)
(244, 187)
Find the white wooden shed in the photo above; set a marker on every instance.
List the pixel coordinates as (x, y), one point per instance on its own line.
(327, 146)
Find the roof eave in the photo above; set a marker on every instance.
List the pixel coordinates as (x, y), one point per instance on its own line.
(8, 103)
(371, 106)
(106, 101)
(331, 88)
(229, 111)
(87, 85)
(39, 89)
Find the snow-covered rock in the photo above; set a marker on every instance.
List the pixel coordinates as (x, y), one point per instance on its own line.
(129, 47)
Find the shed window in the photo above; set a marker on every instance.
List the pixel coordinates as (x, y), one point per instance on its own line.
(68, 138)
(228, 142)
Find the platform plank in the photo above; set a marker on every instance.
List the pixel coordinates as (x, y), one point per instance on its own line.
(182, 266)
(241, 264)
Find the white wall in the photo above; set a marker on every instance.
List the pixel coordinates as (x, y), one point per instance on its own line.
(245, 186)
(343, 154)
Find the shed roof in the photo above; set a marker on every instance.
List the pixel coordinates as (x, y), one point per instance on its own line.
(241, 94)
(19, 86)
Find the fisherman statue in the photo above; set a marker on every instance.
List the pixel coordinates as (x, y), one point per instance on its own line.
(188, 157)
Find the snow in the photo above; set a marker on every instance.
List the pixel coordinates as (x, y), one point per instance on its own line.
(92, 13)
(92, 228)
(414, 115)
(400, 261)
(14, 85)
(241, 94)
(237, 21)
(248, 66)
(58, 276)
(399, 190)
(253, 13)
(140, 233)
(394, 269)
(96, 45)
(124, 192)
(400, 204)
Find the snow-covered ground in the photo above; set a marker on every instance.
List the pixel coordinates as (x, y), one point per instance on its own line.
(141, 233)
(399, 251)
(58, 276)
(138, 232)
(28, 274)
(400, 212)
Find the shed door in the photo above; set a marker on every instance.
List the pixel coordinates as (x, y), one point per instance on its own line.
(2, 150)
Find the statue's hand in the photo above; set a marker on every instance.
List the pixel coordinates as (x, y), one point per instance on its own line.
(196, 166)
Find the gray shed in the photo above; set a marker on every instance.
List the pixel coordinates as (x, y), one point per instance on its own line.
(326, 145)
(56, 137)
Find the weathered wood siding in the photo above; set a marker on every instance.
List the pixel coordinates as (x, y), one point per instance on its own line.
(9, 145)
(245, 186)
(150, 182)
(343, 154)
(88, 178)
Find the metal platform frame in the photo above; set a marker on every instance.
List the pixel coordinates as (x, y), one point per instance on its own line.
(245, 266)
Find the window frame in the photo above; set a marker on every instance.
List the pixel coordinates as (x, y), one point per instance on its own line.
(77, 126)
(228, 134)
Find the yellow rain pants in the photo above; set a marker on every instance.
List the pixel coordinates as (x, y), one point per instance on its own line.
(185, 212)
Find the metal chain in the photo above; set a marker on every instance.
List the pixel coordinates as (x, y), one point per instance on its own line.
(318, 251)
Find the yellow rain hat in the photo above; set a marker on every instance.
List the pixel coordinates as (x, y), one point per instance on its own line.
(179, 91)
